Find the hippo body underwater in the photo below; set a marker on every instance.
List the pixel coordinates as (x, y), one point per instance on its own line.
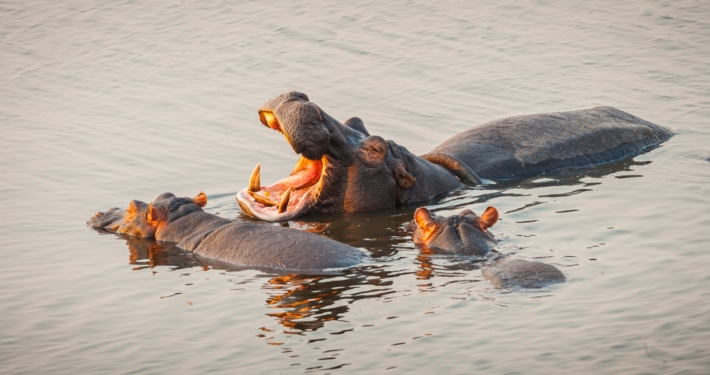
(182, 221)
(467, 234)
(342, 168)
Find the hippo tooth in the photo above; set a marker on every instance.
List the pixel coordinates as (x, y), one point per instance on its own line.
(284, 201)
(255, 179)
(265, 201)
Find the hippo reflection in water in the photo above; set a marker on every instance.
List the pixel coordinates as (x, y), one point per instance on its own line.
(183, 222)
(344, 169)
(467, 234)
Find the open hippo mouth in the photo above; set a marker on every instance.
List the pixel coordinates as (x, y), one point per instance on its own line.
(301, 123)
(289, 197)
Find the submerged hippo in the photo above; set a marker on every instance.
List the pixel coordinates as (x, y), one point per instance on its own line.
(343, 168)
(182, 221)
(467, 234)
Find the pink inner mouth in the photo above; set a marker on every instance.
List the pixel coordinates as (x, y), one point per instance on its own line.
(302, 181)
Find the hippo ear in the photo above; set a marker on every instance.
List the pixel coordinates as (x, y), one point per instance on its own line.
(200, 199)
(468, 213)
(488, 219)
(131, 211)
(404, 179)
(356, 123)
(155, 214)
(423, 218)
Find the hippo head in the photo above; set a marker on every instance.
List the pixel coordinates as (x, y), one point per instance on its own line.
(341, 167)
(464, 234)
(142, 219)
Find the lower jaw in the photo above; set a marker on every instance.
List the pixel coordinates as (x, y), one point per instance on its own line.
(251, 207)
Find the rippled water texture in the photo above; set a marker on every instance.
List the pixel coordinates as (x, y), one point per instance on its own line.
(104, 102)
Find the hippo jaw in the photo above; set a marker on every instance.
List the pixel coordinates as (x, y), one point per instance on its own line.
(290, 197)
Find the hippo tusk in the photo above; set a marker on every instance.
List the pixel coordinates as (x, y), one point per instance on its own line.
(284, 201)
(255, 179)
(265, 201)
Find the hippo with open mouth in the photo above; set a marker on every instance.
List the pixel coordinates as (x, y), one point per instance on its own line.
(467, 234)
(183, 222)
(342, 168)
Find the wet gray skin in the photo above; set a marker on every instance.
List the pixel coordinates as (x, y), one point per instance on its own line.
(183, 222)
(467, 234)
(343, 168)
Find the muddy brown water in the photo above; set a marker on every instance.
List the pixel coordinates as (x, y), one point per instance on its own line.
(101, 103)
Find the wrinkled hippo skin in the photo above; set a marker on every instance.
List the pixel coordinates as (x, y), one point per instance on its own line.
(183, 222)
(467, 234)
(343, 168)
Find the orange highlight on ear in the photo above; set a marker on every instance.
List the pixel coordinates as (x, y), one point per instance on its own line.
(488, 219)
(155, 214)
(131, 211)
(423, 218)
(200, 199)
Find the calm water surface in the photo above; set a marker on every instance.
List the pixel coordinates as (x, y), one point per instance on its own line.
(104, 102)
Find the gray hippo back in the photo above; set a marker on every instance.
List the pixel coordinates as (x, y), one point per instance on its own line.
(508, 272)
(530, 145)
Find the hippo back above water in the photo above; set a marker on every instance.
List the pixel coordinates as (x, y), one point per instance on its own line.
(530, 145)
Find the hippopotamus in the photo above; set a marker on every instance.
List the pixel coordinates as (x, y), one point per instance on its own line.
(467, 234)
(183, 221)
(342, 168)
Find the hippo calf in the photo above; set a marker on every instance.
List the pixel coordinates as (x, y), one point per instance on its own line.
(342, 168)
(182, 221)
(463, 234)
(467, 234)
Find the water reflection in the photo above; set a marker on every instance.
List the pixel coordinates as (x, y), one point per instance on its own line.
(298, 302)
(572, 177)
(146, 253)
(306, 302)
(380, 231)
(430, 265)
